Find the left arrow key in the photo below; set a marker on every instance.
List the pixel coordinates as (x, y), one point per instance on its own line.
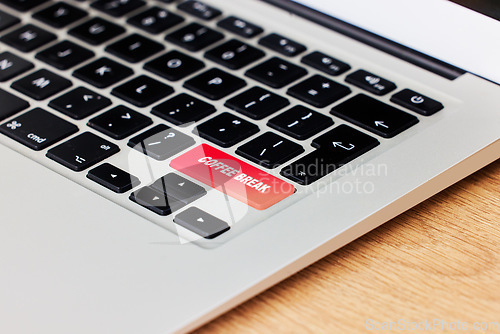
(113, 178)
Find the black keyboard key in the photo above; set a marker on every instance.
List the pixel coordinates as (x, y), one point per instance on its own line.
(282, 45)
(28, 38)
(194, 37)
(417, 102)
(325, 63)
(300, 122)
(270, 150)
(37, 129)
(319, 91)
(335, 148)
(12, 65)
(174, 65)
(234, 54)
(82, 151)
(134, 48)
(11, 104)
(60, 15)
(117, 8)
(201, 223)
(240, 27)
(257, 103)
(103, 73)
(22, 5)
(370, 82)
(41, 84)
(96, 31)
(142, 91)
(7, 20)
(161, 142)
(226, 129)
(179, 188)
(346, 142)
(113, 178)
(276, 72)
(199, 9)
(156, 201)
(183, 109)
(215, 84)
(375, 116)
(120, 122)
(80, 103)
(155, 20)
(65, 55)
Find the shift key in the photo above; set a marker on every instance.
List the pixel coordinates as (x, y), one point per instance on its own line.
(233, 177)
(38, 129)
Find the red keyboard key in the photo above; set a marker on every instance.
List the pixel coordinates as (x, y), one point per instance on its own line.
(232, 176)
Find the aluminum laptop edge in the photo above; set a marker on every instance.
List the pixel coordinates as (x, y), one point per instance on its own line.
(74, 262)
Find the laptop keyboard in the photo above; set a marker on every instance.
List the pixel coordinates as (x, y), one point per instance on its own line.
(217, 58)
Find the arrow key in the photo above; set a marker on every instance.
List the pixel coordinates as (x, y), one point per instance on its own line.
(201, 223)
(156, 201)
(113, 178)
(375, 116)
(179, 188)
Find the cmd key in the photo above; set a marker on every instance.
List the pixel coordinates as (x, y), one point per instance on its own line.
(37, 129)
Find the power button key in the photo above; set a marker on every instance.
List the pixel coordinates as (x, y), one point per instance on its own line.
(417, 102)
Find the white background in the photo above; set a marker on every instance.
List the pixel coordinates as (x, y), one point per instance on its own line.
(439, 28)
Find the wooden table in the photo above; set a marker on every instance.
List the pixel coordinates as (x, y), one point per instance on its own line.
(439, 260)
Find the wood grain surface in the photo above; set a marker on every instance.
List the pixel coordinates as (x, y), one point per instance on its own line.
(439, 261)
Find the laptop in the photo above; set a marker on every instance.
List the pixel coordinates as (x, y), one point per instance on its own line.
(164, 161)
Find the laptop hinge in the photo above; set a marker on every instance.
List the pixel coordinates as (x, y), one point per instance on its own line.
(383, 44)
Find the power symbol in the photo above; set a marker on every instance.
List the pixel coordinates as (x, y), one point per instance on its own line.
(417, 99)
